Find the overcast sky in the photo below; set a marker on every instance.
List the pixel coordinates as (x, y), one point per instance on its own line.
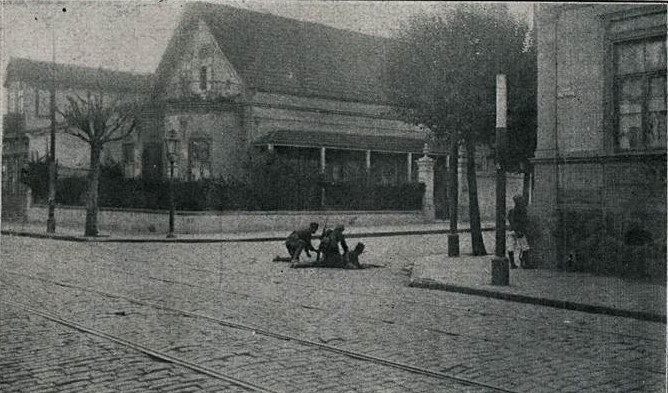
(132, 35)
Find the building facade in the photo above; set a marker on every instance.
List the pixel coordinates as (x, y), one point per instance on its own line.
(234, 83)
(599, 202)
(27, 120)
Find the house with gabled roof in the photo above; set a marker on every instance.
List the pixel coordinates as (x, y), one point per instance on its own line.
(27, 121)
(234, 82)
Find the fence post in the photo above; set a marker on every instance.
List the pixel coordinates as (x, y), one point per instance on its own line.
(426, 176)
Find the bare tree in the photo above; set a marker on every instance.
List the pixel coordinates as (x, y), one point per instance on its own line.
(98, 120)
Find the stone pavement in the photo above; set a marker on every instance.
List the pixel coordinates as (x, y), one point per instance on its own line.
(464, 274)
(518, 347)
(570, 290)
(38, 355)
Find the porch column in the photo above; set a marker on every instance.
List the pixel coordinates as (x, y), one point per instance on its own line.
(426, 176)
(409, 167)
(368, 166)
(463, 184)
(322, 160)
(270, 147)
(322, 172)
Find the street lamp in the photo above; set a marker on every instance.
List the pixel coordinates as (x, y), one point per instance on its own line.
(51, 218)
(172, 147)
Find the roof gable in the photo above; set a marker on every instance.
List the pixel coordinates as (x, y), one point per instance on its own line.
(201, 57)
(282, 55)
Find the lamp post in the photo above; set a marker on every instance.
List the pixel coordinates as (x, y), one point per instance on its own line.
(172, 148)
(51, 218)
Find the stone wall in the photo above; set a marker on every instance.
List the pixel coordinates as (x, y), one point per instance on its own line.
(152, 221)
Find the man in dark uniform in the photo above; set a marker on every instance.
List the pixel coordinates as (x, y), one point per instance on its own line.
(329, 247)
(300, 240)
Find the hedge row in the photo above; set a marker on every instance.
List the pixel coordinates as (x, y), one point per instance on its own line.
(267, 190)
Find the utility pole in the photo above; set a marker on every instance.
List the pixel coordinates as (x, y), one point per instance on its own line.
(51, 220)
(500, 267)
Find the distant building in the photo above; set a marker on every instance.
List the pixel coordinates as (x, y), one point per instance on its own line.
(599, 200)
(235, 78)
(233, 84)
(27, 122)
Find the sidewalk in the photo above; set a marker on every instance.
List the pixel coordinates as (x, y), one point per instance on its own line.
(568, 290)
(76, 234)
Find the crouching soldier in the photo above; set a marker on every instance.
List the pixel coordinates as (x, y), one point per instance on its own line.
(300, 240)
(329, 247)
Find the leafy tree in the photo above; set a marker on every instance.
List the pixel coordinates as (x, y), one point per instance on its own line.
(443, 72)
(98, 120)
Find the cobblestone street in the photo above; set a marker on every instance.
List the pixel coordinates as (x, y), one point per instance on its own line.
(96, 317)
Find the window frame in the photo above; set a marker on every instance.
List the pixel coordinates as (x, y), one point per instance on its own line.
(616, 35)
(616, 83)
(191, 160)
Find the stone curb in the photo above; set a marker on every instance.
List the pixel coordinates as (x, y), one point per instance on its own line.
(74, 238)
(513, 297)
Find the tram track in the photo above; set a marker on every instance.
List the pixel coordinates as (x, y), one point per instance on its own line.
(160, 355)
(439, 331)
(163, 356)
(281, 336)
(253, 283)
(337, 292)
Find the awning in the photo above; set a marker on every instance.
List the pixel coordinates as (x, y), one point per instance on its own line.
(380, 143)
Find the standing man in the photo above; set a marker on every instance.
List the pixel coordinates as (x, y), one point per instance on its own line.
(517, 239)
(300, 240)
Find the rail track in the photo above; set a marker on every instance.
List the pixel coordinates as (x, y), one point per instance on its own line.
(165, 357)
(172, 271)
(440, 330)
(238, 272)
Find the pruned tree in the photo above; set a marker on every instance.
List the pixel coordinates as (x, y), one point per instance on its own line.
(442, 71)
(98, 120)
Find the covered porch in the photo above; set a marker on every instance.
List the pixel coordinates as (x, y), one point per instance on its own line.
(354, 159)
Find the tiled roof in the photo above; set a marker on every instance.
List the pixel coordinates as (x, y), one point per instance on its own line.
(67, 75)
(277, 54)
(380, 143)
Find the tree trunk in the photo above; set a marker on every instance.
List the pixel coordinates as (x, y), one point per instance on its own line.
(477, 244)
(453, 198)
(92, 207)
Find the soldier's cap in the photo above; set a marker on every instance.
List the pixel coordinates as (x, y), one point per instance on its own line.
(313, 225)
(339, 227)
